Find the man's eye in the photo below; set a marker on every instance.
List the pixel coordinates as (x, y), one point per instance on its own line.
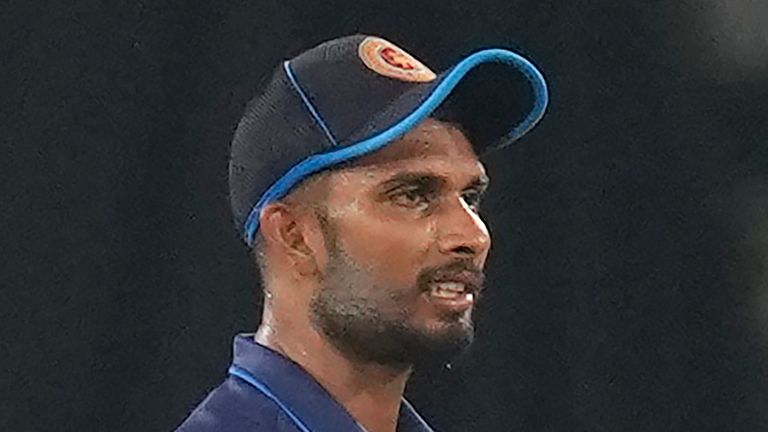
(412, 198)
(472, 199)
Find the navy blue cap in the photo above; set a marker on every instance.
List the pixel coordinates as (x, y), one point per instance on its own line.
(352, 96)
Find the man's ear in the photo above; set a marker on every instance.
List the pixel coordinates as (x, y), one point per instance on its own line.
(291, 235)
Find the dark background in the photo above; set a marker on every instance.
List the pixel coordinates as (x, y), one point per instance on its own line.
(629, 277)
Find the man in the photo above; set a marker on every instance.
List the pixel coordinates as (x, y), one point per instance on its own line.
(360, 202)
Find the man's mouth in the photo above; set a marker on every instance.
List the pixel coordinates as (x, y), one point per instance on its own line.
(449, 290)
(454, 297)
(454, 288)
(456, 293)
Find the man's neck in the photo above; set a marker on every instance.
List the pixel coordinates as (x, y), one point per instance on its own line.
(371, 393)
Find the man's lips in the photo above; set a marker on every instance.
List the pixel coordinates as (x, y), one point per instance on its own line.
(470, 280)
(450, 296)
(454, 290)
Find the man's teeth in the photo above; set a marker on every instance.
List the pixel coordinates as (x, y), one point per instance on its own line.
(448, 290)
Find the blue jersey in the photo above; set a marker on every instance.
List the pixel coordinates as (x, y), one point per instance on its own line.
(266, 391)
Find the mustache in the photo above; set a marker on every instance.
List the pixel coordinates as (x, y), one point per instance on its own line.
(464, 271)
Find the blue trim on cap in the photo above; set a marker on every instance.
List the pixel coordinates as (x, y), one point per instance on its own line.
(319, 162)
(308, 104)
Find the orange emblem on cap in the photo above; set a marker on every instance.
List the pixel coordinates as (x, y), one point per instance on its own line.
(386, 58)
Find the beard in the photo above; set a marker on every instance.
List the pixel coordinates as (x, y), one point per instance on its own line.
(372, 323)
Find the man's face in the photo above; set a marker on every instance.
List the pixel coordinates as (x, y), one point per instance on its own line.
(405, 250)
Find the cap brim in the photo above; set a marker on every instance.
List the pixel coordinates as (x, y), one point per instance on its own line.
(518, 95)
(496, 104)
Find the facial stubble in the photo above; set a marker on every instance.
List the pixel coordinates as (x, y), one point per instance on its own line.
(371, 323)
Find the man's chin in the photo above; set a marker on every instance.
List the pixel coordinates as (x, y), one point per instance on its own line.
(438, 347)
(418, 348)
(447, 325)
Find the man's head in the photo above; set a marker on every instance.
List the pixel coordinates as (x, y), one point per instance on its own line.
(388, 251)
(364, 206)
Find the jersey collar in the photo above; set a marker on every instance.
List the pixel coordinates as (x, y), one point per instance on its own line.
(302, 394)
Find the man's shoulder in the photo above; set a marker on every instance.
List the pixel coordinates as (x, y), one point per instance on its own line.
(236, 406)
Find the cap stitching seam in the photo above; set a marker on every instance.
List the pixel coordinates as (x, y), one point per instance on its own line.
(312, 110)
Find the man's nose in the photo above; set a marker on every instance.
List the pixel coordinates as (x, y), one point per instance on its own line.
(462, 233)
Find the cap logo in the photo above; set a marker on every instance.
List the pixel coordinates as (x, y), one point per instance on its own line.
(386, 58)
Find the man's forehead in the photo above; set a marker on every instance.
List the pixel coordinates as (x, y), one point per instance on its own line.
(430, 139)
(434, 148)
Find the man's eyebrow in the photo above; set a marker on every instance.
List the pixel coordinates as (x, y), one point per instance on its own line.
(479, 182)
(414, 178)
